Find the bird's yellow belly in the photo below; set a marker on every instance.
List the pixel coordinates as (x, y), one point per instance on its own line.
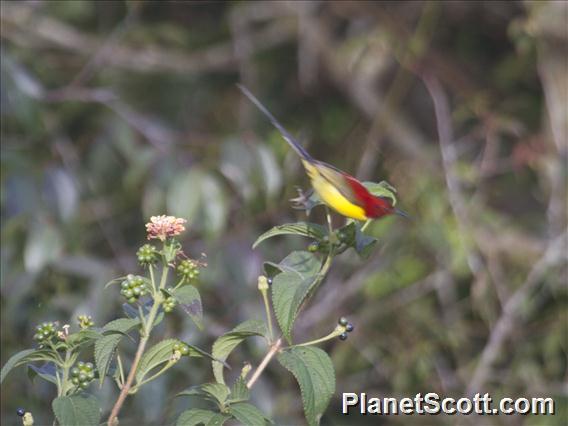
(334, 199)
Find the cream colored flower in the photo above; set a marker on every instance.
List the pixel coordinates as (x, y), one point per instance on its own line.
(162, 227)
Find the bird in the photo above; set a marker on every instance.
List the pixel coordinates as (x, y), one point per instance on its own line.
(337, 189)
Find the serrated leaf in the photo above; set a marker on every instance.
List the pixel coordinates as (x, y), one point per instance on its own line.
(248, 414)
(197, 416)
(189, 300)
(301, 262)
(215, 392)
(315, 375)
(239, 392)
(83, 338)
(218, 391)
(305, 229)
(104, 351)
(225, 344)
(290, 289)
(16, 360)
(121, 325)
(158, 354)
(82, 409)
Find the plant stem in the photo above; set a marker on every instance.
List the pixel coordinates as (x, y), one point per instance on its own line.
(152, 279)
(268, 314)
(65, 378)
(145, 336)
(365, 225)
(338, 330)
(270, 354)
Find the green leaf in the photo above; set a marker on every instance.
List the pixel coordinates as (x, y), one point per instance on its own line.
(197, 416)
(239, 392)
(225, 344)
(247, 414)
(104, 351)
(83, 338)
(46, 372)
(121, 325)
(290, 288)
(16, 360)
(353, 237)
(305, 229)
(216, 392)
(190, 301)
(314, 372)
(82, 409)
(382, 189)
(288, 292)
(158, 354)
(303, 263)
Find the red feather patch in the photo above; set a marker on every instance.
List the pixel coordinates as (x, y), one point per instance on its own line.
(374, 207)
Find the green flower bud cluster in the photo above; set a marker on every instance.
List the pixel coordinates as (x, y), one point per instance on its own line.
(46, 331)
(169, 304)
(133, 287)
(182, 348)
(83, 374)
(188, 269)
(347, 326)
(85, 321)
(147, 255)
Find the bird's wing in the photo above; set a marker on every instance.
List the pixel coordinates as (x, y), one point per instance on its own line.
(340, 180)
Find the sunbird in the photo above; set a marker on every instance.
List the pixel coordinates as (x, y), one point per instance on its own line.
(337, 189)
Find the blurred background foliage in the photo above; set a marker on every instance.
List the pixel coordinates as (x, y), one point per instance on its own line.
(115, 111)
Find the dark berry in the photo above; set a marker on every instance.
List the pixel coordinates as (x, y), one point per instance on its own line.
(343, 321)
(269, 281)
(349, 328)
(343, 336)
(20, 412)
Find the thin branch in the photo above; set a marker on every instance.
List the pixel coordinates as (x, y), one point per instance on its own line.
(555, 253)
(21, 26)
(270, 354)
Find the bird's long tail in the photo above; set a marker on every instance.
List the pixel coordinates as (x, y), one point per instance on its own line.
(287, 136)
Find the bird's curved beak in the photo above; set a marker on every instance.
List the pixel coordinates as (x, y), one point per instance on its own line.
(401, 213)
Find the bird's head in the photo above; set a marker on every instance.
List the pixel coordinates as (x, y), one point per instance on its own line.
(382, 206)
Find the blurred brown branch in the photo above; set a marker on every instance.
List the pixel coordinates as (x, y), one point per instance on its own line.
(21, 26)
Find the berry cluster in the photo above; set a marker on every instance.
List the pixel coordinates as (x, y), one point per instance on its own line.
(348, 328)
(133, 287)
(147, 255)
(83, 374)
(188, 269)
(182, 348)
(169, 304)
(45, 331)
(85, 321)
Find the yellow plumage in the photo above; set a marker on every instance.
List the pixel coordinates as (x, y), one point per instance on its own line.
(331, 196)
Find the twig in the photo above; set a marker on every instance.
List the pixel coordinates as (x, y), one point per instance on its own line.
(21, 26)
(555, 252)
(273, 350)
